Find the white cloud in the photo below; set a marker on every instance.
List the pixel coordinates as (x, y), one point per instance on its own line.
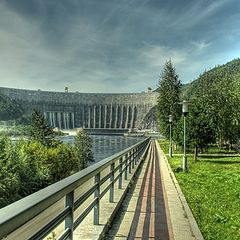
(200, 45)
(156, 55)
(197, 12)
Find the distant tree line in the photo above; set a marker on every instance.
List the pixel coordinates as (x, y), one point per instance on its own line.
(214, 115)
(29, 165)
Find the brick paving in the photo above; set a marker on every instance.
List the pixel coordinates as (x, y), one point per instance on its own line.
(155, 207)
(145, 215)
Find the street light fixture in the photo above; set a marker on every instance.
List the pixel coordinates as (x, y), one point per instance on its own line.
(185, 105)
(170, 135)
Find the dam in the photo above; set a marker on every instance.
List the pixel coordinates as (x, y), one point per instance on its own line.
(69, 110)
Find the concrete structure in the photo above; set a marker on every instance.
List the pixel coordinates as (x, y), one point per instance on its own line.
(68, 110)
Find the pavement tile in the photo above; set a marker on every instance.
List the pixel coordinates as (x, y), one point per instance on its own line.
(152, 208)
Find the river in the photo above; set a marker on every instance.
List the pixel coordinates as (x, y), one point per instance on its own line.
(107, 145)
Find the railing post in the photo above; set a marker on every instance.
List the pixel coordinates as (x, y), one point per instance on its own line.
(133, 158)
(137, 154)
(97, 195)
(69, 202)
(126, 166)
(111, 192)
(143, 148)
(120, 174)
(130, 162)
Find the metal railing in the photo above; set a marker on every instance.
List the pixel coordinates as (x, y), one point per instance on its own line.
(103, 174)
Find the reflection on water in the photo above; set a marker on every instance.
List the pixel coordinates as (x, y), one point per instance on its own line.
(107, 145)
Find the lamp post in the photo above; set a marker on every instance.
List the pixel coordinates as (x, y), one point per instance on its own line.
(170, 135)
(185, 105)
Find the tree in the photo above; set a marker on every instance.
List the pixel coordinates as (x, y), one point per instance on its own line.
(200, 132)
(215, 112)
(30, 165)
(169, 97)
(83, 149)
(40, 131)
(9, 178)
(218, 98)
(61, 161)
(33, 172)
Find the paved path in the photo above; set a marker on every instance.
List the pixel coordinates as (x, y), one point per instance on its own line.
(155, 207)
(152, 208)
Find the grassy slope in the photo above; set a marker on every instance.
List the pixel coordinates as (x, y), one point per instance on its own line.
(212, 189)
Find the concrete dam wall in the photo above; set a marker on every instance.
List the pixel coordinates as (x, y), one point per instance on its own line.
(68, 110)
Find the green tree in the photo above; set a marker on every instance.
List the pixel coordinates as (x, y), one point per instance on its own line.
(83, 149)
(199, 134)
(29, 165)
(61, 161)
(169, 97)
(218, 98)
(200, 131)
(40, 131)
(9, 179)
(34, 171)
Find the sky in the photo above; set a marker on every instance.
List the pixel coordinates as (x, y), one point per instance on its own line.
(113, 46)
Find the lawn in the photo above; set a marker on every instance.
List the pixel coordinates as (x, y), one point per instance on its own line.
(212, 189)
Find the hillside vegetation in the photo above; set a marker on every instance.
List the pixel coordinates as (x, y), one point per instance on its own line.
(215, 109)
(210, 181)
(230, 71)
(9, 109)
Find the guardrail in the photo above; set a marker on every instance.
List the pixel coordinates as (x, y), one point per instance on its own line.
(24, 215)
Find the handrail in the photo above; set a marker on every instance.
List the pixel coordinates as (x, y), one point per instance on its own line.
(18, 213)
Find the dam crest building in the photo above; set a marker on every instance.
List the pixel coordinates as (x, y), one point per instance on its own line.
(69, 110)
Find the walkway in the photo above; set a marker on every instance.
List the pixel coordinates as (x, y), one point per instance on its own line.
(155, 207)
(149, 205)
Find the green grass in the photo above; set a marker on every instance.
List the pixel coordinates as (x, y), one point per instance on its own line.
(223, 150)
(212, 189)
(213, 149)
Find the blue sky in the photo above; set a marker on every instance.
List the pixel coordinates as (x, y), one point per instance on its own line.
(113, 45)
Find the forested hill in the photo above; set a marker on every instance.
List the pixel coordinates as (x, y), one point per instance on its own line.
(216, 102)
(9, 109)
(229, 72)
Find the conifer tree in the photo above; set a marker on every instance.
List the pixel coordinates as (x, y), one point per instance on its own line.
(39, 129)
(169, 97)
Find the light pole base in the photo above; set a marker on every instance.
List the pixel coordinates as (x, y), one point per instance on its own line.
(185, 163)
(170, 151)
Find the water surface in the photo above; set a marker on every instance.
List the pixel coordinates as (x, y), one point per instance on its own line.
(107, 145)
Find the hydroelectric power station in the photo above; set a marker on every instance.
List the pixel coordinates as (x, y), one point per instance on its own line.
(69, 110)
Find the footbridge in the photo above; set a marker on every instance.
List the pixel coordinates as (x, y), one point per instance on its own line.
(130, 195)
(69, 110)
